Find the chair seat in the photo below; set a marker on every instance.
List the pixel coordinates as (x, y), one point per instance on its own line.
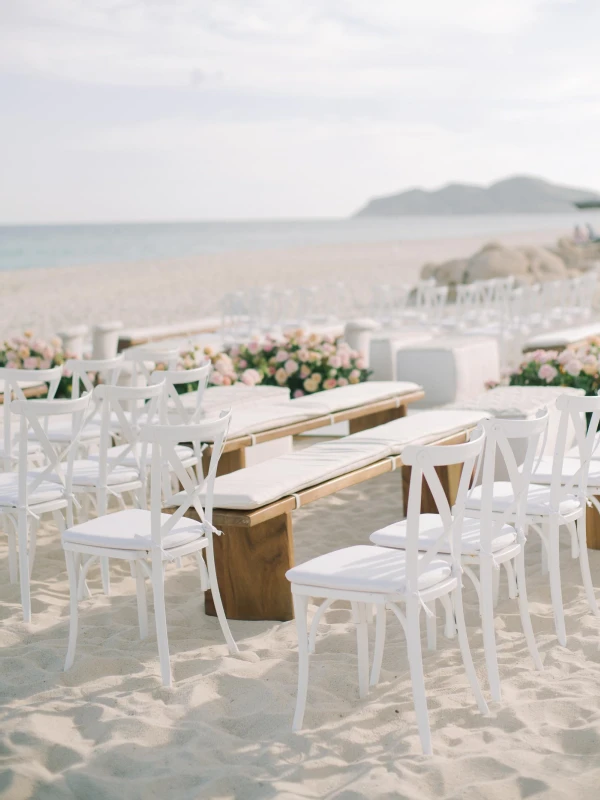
(365, 568)
(132, 459)
(570, 467)
(538, 500)
(431, 527)
(60, 428)
(130, 530)
(33, 448)
(86, 472)
(46, 492)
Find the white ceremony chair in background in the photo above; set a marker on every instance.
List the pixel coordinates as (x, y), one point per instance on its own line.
(144, 359)
(365, 575)
(13, 380)
(30, 493)
(150, 538)
(492, 539)
(574, 477)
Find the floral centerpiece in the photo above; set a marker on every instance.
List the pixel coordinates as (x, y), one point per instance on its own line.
(305, 363)
(28, 352)
(577, 366)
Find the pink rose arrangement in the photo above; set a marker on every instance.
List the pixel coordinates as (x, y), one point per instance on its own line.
(29, 352)
(577, 366)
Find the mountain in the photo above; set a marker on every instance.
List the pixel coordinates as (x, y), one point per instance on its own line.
(518, 195)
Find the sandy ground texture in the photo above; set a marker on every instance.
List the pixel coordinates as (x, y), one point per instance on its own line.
(107, 729)
(156, 293)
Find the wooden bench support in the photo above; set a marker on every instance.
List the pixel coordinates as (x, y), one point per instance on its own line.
(251, 564)
(379, 418)
(592, 527)
(449, 478)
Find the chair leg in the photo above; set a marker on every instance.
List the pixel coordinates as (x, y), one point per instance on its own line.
(555, 583)
(487, 623)
(524, 609)
(160, 618)
(32, 544)
(465, 650)
(74, 609)
(362, 648)
(544, 558)
(105, 573)
(415, 659)
(13, 569)
(140, 585)
(450, 626)
(24, 565)
(496, 586)
(431, 625)
(300, 612)
(380, 627)
(585, 566)
(218, 603)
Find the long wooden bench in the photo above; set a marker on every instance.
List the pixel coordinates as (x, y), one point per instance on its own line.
(361, 417)
(257, 547)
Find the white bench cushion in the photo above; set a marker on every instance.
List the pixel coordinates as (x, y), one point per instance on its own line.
(431, 528)
(421, 428)
(130, 530)
(365, 568)
(346, 397)
(562, 337)
(517, 402)
(271, 480)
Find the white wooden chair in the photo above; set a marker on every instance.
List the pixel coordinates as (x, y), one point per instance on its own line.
(492, 539)
(365, 575)
(182, 409)
(575, 474)
(148, 539)
(13, 381)
(27, 494)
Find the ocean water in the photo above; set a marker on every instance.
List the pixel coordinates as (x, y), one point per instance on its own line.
(33, 246)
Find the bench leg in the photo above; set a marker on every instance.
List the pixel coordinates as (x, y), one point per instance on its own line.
(229, 462)
(379, 418)
(592, 528)
(251, 563)
(449, 478)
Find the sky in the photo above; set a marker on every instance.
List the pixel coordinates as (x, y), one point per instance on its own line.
(144, 110)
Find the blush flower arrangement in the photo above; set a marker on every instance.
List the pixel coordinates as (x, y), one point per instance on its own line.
(577, 366)
(28, 352)
(305, 363)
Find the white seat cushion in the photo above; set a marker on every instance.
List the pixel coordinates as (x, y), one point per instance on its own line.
(264, 483)
(365, 568)
(86, 473)
(130, 530)
(431, 527)
(538, 499)
(570, 466)
(9, 491)
(345, 397)
(421, 428)
(133, 457)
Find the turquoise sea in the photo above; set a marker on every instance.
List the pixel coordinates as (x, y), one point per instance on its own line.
(32, 246)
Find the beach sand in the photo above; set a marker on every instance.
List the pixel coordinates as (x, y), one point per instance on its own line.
(108, 729)
(154, 293)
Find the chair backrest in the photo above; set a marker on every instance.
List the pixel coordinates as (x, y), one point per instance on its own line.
(114, 401)
(13, 391)
(105, 369)
(423, 461)
(144, 360)
(583, 414)
(59, 458)
(500, 455)
(165, 460)
(172, 409)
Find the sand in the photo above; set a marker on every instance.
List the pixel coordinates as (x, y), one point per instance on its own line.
(108, 729)
(161, 292)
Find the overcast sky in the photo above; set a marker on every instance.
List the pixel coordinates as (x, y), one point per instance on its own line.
(214, 109)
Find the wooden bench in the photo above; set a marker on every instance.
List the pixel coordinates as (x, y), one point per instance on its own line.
(257, 547)
(361, 417)
(31, 391)
(131, 337)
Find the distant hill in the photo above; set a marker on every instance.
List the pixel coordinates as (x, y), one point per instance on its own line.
(518, 195)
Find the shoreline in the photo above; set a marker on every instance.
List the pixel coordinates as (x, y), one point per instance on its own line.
(154, 292)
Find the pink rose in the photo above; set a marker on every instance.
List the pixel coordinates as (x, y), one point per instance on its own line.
(282, 355)
(281, 376)
(291, 366)
(342, 382)
(574, 367)
(335, 362)
(330, 383)
(242, 363)
(30, 363)
(304, 371)
(547, 373)
(360, 363)
(253, 347)
(251, 377)
(216, 378)
(303, 354)
(227, 381)
(267, 347)
(298, 393)
(45, 364)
